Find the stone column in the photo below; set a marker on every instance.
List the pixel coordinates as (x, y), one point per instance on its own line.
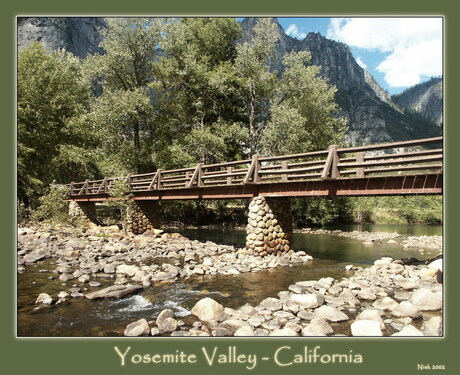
(142, 216)
(84, 210)
(269, 226)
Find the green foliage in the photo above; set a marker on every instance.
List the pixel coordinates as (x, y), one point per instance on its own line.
(321, 211)
(304, 113)
(397, 210)
(53, 142)
(256, 82)
(52, 206)
(123, 114)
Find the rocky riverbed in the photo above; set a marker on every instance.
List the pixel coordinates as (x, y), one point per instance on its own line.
(83, 258)
(386, 299)
(374, 238)
(105, 262)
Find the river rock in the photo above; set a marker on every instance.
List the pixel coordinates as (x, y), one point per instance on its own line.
(245, 330)
(283, 332)
(426, 300)
(406, 309)
(129, 271)
(207, 309)
(44, 299)
(34, 256)
(317, 326)
(436, 265)
(166, 313)
(385, 303)
(330, 313)
(272, 304)
(367, 294)
(233, 324)
(222, 332)
(308, 301)
(256, 321)
(272, 324)
(371, 315)
(408, 330)
(366, 328)
(167, 325)
(114, 291)
(137, 328)
(180, 334)
(433, 326)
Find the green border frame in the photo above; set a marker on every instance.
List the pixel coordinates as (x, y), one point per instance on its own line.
(80, 355)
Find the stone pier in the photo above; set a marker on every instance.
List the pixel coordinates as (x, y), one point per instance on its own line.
(142, 216)
(269, 226)
(83, 210)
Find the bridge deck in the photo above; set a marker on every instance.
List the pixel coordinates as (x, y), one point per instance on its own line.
(353, 171)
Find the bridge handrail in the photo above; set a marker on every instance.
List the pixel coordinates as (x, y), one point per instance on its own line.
(346, 162)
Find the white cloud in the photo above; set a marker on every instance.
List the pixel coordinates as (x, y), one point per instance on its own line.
(414, 45)
(361, 63)
(294, 31)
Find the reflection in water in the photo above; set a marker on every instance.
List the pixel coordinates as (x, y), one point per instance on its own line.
(110, 317)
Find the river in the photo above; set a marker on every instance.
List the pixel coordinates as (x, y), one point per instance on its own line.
(109, 318)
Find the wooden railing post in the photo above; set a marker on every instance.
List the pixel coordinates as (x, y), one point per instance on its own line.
(71, 188)
(187, 177)
(360, 159)
(230, 178)
(199, 179)
(159, 179)
(128, 181)
(253, 171)
(330, 167)
(284, 167)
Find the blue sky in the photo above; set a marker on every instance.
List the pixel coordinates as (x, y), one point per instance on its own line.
(398, 52)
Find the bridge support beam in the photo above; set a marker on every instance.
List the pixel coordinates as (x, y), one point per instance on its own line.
(84, 210)
(269, 226)
(142, 216)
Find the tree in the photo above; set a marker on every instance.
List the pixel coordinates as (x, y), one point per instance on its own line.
(257, 82)
(53, 142)
(196, 85)
(304, 115)
(124, 70)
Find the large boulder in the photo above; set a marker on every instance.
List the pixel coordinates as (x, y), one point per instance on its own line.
(166, 313)
(124, 269)
(408, 330)
(366, 328)
(137, 328)
(406, 309)
(426, 300)
(330, 313)
(207, 309)
(167, 325)
(308, 301)
(114, 291)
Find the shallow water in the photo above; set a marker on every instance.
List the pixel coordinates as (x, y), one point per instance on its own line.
(110, 317)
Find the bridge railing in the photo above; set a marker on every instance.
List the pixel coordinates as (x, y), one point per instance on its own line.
(390, 159)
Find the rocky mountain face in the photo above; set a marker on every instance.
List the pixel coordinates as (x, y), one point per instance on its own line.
(424, 99)
(373, 116)
(78, 35)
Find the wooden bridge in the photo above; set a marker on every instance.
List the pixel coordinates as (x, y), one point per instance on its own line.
(403, 168)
